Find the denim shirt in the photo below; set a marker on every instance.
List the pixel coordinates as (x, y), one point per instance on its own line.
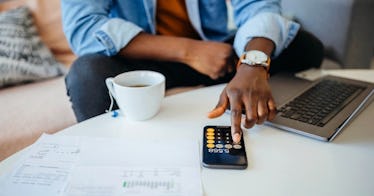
(107, 26)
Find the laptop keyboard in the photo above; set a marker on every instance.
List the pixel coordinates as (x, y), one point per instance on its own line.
(320, 103)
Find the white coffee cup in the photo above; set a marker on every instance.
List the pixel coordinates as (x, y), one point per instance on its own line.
(138, 93)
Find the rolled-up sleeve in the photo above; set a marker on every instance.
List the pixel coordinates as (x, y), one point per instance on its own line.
(262, 18)
(89, 29)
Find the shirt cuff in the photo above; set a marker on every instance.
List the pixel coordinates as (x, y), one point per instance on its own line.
(115, 34)
(268, 25)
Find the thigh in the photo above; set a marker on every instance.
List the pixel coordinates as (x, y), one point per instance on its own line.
(86, 87)
(304, 52)
(177, 74)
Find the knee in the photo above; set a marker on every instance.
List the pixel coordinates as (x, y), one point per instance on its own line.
(88, 69)
(85, 66)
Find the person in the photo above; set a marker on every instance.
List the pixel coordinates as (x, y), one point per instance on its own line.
(189, 42)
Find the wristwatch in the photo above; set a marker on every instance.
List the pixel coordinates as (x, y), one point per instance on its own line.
(255, 58)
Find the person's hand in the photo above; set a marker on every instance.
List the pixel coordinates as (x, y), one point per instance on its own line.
(213, 59)
(249, 90)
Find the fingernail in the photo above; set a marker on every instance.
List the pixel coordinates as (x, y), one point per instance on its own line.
(236, 138)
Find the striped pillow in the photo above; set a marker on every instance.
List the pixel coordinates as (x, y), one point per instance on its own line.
(23, 56)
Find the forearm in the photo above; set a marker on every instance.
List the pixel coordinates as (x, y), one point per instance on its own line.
(156, 47)
(263, 44)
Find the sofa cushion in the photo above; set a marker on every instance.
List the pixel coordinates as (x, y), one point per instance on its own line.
(23, 57)
(29, 110)
(47, 17)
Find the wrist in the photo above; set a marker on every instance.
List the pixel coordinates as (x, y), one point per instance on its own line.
(260, 43)
(255, 59)
(186, 52)
(257, 71)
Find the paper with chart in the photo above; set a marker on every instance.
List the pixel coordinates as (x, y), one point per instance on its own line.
(103, 166)
(44, 170)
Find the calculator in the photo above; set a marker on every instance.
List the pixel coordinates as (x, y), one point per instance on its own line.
(220, 152)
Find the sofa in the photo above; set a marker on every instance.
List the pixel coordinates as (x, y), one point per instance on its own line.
(345, 27)
(28, 110)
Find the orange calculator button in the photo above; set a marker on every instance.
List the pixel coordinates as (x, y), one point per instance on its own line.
(210, 141)
(210, 130)
(210, 137)
(209, 134)
(210, 145)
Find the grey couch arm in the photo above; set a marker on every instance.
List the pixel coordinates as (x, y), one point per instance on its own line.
(346, 27)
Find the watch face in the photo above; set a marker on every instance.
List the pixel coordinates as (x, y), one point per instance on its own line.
(256, 56)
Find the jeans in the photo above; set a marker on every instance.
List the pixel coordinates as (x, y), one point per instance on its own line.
(89, 96)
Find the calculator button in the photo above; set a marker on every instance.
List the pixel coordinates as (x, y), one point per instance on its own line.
(227, 151)
(228, 146)
(210, 137)
(219, 145)
(210, 134)
(237, 146)
(210, 141)
(210, 145)
(210, 130)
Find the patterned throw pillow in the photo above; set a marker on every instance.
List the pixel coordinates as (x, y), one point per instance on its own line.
(23, 56)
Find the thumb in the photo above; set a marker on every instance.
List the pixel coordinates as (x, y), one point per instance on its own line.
(220, 107)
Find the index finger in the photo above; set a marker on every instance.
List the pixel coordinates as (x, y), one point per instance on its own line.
(236, 118)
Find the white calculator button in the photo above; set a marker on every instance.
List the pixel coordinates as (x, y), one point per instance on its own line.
(219, 146)
(237, 146)
(228, 146)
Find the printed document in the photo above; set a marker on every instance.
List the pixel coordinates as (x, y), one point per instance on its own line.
(67, 165)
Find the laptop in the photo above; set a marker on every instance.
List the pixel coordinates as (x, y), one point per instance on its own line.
(320, 109)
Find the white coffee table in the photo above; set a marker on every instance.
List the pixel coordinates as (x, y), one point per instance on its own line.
(280, 163)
